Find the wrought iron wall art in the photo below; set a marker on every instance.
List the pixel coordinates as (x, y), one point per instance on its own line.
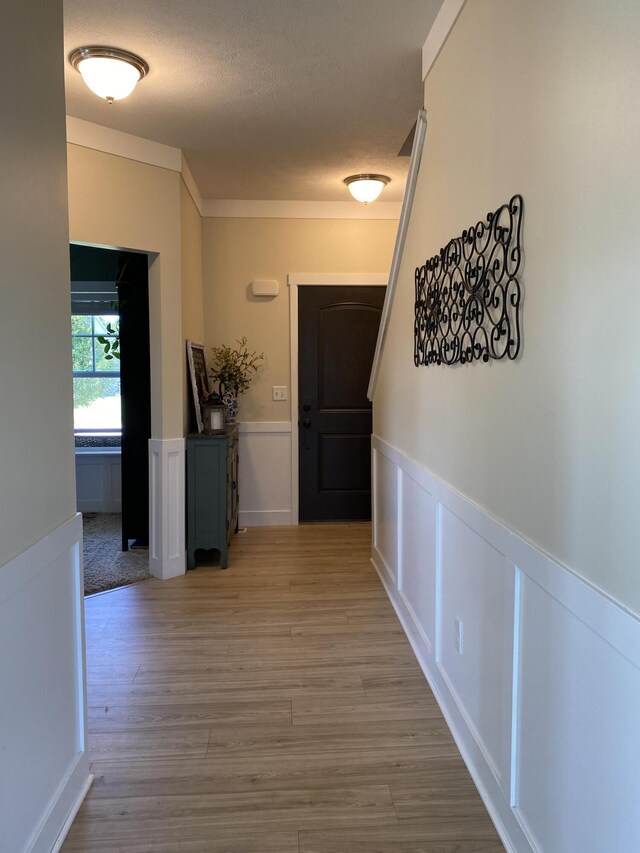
(468, 295)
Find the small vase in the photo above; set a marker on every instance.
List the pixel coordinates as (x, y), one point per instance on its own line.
(230, 401)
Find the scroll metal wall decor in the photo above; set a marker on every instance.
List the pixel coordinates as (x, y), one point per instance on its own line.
(468, 295)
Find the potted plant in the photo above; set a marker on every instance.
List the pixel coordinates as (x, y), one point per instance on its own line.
(231, 373)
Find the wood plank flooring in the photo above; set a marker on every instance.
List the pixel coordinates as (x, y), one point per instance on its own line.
(275, 707)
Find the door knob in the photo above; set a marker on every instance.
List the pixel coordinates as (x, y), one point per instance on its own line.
(306, 423)
(306, 407)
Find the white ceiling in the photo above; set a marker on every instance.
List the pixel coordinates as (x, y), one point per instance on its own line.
(268, 99)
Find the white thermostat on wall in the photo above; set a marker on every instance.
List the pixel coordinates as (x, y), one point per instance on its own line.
(265, 287)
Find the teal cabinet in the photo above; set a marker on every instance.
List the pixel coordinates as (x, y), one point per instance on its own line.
(212, 493)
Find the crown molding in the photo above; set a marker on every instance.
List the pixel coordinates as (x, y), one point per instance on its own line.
(105, 139)
(257, 209)
(192, 187)
(90, 135)
(439, 33)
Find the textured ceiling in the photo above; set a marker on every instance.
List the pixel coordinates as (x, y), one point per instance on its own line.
(268, 99)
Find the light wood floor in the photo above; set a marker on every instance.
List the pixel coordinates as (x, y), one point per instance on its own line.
(275, 707)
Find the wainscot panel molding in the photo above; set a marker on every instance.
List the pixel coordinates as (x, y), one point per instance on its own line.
(167, 549)
(265, 473)
(98, 479)
(536, 671)
(43, 716)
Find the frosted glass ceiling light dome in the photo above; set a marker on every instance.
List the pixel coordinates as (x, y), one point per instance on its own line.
(366, 188)
(110, 73)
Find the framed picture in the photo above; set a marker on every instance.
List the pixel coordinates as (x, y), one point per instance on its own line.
(199, 375)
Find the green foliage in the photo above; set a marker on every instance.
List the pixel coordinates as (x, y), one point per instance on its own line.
(81, 324)
(88, 389)
(93, 352)
(112, 344)
(83, 327)
(82, 355)
(233, 368)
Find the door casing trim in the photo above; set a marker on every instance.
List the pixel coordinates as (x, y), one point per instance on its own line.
(296, 280)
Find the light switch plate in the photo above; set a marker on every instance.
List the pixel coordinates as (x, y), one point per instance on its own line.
(279, 392)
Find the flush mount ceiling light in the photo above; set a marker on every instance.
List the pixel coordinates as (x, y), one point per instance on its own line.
(366, 188)
(110, 73)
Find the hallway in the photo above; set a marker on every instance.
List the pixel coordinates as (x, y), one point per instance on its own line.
(276, 707)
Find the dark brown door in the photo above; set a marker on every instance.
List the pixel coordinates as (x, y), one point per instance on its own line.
(337, 332)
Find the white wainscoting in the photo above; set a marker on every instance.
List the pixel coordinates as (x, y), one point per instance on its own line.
(44, 769)
(98, 479)
(543, 698)
(167, 521)
(264, 473)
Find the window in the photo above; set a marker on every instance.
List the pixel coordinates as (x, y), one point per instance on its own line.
(96, 377)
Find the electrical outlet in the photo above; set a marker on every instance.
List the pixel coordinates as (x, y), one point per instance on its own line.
(459, 636)
(279, 392)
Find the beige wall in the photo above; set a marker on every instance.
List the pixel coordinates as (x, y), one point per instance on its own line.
(192, 308)
(236, 251)
(129, 205)
(37, 486)
(532, 98)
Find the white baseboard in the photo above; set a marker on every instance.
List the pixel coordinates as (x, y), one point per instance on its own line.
(265, 518)
(43, 715)
(543, 699)
(84, 790)
(167, 549)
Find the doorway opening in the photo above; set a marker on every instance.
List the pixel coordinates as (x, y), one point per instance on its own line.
(112, 411)
(336, 329)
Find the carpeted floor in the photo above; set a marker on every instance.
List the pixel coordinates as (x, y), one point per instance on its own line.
(105, 565)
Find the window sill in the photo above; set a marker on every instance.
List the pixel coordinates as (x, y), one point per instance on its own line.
(97, 451)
